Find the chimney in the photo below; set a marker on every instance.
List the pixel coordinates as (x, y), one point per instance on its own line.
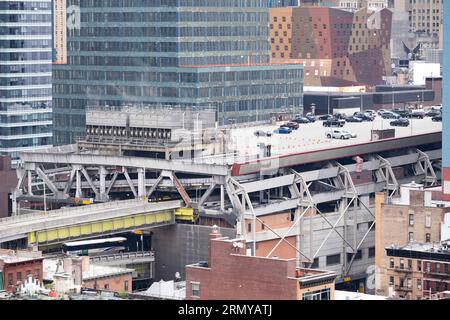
(213, 235)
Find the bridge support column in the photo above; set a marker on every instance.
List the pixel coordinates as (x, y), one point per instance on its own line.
(102, 174)
(78, 193)
(141, 183)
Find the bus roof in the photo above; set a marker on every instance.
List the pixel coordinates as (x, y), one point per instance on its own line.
(96, 241)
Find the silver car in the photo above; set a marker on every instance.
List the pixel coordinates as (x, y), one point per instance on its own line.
(338, 134)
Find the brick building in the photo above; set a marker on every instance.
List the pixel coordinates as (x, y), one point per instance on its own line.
(16, 266)
(415, 217)
(231, 274)
(8, 178)
(419, 271)
(108, 278)
(335, 46)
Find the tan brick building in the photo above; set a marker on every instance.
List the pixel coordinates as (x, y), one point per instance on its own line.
(415, 217)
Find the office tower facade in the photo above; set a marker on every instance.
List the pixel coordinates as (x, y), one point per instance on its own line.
(335, 46)
(25, 76)
(445, 113)
(172, 52)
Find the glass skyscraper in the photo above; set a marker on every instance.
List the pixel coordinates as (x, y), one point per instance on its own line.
(172, 52)
(25, 76)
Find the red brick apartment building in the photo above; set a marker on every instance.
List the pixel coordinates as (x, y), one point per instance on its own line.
(231, 274)
(15, 266)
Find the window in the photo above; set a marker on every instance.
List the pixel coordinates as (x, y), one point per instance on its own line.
(402, 283)
(37, 274)
(409, 283)
(391, 280)
(402, 264)
(358, 256)
(409, 264)
(427, 237)
(411, 236)
(411, 219)
(249, 227)
(428, 221)
(445, 268)
(195, 289)
(323, 294)
(28, 273)
(419, 265)
(10, 279)
(371, 252)
(427, 267)
(125, 285)
(19, 276)
(391, 263)
(438, 267)
(419, 284)
(315, 264)
(333, 259)
(106, 286)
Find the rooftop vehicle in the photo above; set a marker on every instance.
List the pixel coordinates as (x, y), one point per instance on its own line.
(402, 113)
(262, 133)
(353, 119)
(390, 115)
(402, 122)
(340, 115)
(292, 125)
(325, 117)
(334, 123)
(311, 118)
(363, 116)
(432, 113)
(338, 134)
(437, 118)
(283, 130)
(371, 112)
(301, 120)
(417, 115)
(352, 134)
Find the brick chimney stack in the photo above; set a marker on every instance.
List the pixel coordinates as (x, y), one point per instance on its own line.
(213, 235)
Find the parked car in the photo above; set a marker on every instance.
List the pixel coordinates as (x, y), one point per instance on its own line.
(325, 117)
(301, 120)
(417, 115)
(311, 118)
(352, 134)
(283, 130)
(262, 133)
(334, 123)
(363, 116)
(338, 134)
(353, 119)
(432, 113)
(340, 115)
(371, 112)
(437, 118)
(390, 115)
(292, 125)
(402, 122)
(381, 111)
(401, 112)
